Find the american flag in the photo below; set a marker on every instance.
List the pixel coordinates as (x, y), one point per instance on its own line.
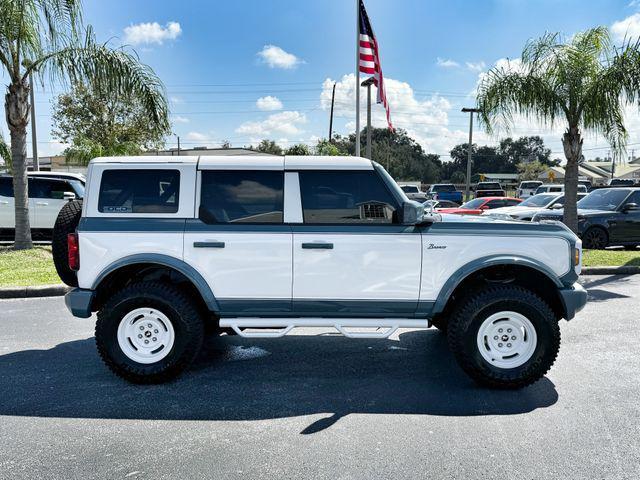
(370, 59)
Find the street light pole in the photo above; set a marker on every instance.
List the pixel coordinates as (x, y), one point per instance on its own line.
(367, 83)
(34, 133)
(471, 111)
(333, 97)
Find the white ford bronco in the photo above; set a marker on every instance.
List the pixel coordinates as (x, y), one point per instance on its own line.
(165, 249)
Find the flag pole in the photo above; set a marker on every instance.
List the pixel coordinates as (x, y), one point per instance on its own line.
(357, 78)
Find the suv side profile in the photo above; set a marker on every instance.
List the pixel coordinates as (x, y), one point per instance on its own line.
(164, 246)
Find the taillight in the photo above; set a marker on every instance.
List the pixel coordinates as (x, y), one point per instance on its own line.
(73, 251)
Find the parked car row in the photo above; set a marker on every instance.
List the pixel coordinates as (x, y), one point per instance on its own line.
(48, 192)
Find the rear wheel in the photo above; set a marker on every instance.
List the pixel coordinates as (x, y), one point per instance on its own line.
(66, 223)
(504, 336)
(149, 332)
(595, 238)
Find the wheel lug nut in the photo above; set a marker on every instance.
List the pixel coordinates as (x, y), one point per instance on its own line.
(139, 335)
(500, 345)
(500, 330)
(508, 330)
(154, 339)
(149, 325)
(496, 337)
(155, 331)
(141, 327)
(509, 345)
(146, 341)
(513, 338)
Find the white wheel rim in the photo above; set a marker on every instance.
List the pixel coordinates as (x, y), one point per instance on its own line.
(507, 339)
(146, 335)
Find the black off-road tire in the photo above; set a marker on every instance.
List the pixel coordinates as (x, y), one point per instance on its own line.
(474, 309)
(66, 223)
(185, 318)
(441, 323)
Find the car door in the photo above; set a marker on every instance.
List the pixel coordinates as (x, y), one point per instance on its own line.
(239, 243)
(628, 227)
(47, 196)
(351, 257)
(491, 204)
(7, 208)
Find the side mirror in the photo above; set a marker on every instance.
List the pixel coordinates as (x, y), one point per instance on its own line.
(412, 213)
(484, 207)
(630, 207)
(557, 206)
(69, 196)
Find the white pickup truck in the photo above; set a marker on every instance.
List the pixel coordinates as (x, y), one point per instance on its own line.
(163, 247)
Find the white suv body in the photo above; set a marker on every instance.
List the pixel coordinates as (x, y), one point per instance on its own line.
(282, 242)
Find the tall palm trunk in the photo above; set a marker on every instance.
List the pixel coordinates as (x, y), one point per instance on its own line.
(572, 143)
(17, 111)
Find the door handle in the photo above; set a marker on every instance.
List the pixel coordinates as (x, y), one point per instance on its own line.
(42, 204)
(4, 203)
(208, 244)
(318, 245)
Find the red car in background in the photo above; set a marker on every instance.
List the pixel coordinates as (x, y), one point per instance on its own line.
(479, 205)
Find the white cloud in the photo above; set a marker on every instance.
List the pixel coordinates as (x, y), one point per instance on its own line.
(180, 119)
(425, 120)
(269, 103)
(175, 99)
(151, 33)
(276, 57)
(282, 123)
(447, 63)
(627, 28)
(197, 137)
(476, 66)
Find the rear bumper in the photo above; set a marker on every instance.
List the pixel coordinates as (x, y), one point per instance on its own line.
(574, 299)
(79, 302)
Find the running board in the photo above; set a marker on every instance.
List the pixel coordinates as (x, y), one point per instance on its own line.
(279, 327)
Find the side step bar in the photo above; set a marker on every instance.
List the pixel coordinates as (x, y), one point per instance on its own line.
(279, 327)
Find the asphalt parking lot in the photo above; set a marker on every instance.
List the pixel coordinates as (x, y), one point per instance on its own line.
(320, 405)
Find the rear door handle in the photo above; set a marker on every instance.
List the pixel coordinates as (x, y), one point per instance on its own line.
(42, 204)
(208, 244)
(318, 245)
(4, 203)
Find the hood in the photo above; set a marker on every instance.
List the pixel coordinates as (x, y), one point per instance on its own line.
(453, 218)
(512, 210)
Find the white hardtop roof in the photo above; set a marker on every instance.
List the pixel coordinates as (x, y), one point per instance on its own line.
(147, 159)
(252, 162)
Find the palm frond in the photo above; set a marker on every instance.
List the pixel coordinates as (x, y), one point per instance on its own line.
(5, 153)
(116, 71)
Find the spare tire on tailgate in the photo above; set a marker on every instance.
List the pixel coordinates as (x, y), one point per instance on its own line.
(66, 223)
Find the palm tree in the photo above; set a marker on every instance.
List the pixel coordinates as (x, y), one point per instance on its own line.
(46, 38)
(583, 83)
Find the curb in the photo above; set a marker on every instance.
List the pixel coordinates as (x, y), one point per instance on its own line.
(32, 292)
(623, 270)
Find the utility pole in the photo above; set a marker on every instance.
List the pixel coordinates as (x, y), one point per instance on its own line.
(178, 137)
(34, 133)
(367, 83)
(333, 97)
(471, 111)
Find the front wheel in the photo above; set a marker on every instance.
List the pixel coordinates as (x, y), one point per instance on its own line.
(595, 238)
(504, 336)
(149, 332)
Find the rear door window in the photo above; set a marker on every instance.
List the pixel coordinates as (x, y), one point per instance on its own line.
(48, 188)
(346, 197)
(242, 197)
(139, 191)
(6, 187)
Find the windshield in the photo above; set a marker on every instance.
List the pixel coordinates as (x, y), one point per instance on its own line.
(410, 189)
(78, 186)
(489, 186)
(473, 204)
(539, 200)
(605, 199)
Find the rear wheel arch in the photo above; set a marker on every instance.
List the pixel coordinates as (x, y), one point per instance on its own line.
(153, 267)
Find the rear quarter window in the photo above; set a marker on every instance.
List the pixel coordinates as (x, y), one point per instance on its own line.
(6, 187)
(139, 191)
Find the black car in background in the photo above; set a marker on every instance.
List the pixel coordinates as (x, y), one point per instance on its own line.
(606, 217)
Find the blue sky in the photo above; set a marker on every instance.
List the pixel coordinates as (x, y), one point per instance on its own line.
(208, 55)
